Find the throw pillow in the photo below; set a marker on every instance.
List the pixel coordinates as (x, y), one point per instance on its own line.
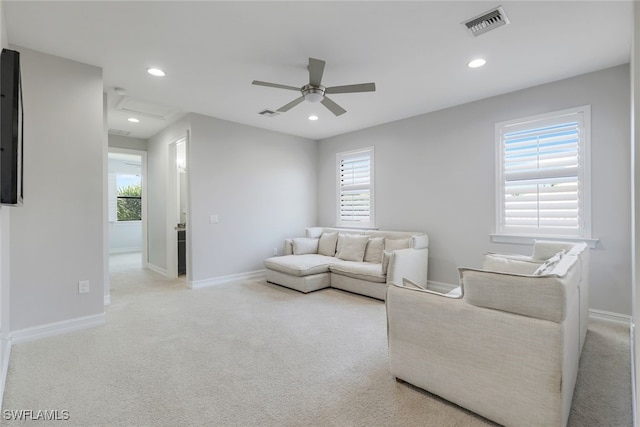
(395, 244)
(386, 256)
(373, 251)
(494, 262)
(304, 245)
(353, 247)
(549, 264)
(327, 244)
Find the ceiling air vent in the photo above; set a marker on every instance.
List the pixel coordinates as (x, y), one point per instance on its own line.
(268, 113)
(119, 132)
(487, 21)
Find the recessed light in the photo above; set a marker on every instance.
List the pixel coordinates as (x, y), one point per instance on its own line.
(313, 118)
(156, 72)
(476, 63)
(133, 120)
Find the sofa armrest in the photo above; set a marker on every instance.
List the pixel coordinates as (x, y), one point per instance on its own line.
(542, 297)
(411, 264)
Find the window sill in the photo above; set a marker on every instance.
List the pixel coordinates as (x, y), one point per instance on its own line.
(521, 239)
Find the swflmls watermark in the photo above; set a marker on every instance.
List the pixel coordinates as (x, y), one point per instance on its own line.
(36, 415)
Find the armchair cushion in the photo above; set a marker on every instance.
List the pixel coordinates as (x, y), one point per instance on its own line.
(503, 264)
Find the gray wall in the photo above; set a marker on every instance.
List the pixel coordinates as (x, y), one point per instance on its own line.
(261, 184)
(635, 196)
(57, 236)
(436, 173)
(128, 142)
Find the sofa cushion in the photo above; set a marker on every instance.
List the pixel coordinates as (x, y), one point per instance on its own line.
(300, 265)
(549, 265)
(373, 251)
(544, 249)
(495, 262)
(352, 248)
(327, 243)
(394, 244)
(360, 270)
(302, 246)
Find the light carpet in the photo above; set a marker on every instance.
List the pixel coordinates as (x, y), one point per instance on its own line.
(256, 354)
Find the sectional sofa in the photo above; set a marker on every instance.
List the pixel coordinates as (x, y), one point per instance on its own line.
(507, 343)
(354, 260)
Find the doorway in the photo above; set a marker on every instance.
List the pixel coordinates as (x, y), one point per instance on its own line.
(177, 209)
(127, 227)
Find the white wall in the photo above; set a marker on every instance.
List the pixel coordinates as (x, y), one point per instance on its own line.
(57, 236)
(435, 173)
(262, 186)
(125, 236)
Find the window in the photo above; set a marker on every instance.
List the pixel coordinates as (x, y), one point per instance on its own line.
(355, 188)
(125, 197)
(543, 179)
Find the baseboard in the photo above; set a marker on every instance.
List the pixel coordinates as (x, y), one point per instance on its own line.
(5, 349)
(634, 390)
(116, 251)
(609, 316)
(215, 281)
(57, 328)
(157, 269)
(440, 287)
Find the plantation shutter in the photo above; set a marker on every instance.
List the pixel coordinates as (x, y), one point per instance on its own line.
(542, 176)
(355, 170)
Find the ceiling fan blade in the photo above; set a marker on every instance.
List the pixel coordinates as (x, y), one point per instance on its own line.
(259, 83)
(362, 87)
(290, 105)
(316, 68)
(332, 106)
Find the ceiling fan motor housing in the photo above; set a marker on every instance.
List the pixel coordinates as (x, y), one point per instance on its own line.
(312, 93)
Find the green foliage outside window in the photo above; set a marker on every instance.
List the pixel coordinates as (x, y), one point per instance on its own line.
(130, 203)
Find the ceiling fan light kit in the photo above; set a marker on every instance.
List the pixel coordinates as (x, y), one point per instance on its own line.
(314, 92)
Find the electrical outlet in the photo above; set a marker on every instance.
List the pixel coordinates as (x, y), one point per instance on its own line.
(275, 251)
(83, 286)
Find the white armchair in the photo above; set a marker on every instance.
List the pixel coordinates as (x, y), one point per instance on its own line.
(507, 346)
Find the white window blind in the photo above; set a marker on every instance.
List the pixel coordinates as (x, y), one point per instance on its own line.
(542, 181)
(355, 188)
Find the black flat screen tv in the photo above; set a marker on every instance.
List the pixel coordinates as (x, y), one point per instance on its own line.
(11, 127)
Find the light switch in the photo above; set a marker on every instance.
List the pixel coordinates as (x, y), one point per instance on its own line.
(213, 219)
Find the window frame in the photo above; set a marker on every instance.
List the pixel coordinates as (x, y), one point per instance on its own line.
(114, 197)
(371, 187)
(502, 234)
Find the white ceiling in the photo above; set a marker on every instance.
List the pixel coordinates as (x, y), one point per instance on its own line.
(416, 53)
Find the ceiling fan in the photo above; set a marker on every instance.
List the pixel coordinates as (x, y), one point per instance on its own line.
(315, 92)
